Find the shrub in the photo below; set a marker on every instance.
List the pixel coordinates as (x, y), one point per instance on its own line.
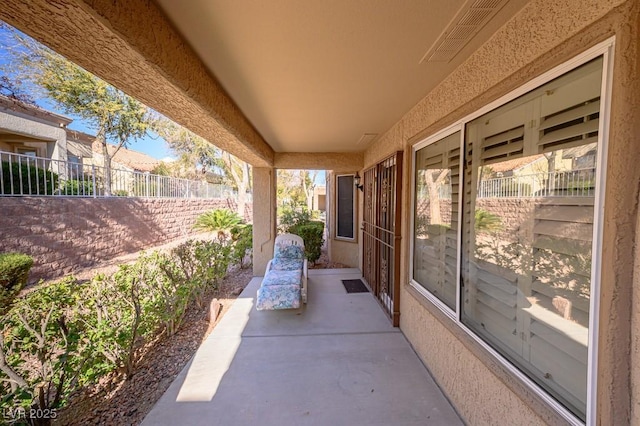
(168, 296)
(26, 178)
(77, 187)
(291, 217)
(312, 233)
(112, 314)
(201, 264)
(67, 335)
(42, 343)
(220, 221)
(487, 221)
(242, 237)
(14, 271)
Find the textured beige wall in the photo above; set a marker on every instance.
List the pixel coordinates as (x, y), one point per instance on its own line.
(264, 217)
(150, 62)
(319, 161)
(543, 35)
(65, 234)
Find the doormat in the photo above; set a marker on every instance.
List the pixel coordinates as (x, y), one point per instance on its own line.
(354, 286)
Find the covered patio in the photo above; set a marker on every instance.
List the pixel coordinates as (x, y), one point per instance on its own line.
(338, 360)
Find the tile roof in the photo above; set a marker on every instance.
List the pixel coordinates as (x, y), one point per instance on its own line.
(130, 158)
(514, 164)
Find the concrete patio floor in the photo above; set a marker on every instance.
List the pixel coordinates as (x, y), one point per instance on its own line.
(337, 361)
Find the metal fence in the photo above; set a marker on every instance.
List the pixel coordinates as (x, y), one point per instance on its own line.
(573, 183)
(24, 175)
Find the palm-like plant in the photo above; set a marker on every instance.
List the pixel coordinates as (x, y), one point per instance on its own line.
(487, 221)
(220, 221)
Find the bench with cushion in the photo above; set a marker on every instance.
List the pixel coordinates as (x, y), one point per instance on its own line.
(284, 284)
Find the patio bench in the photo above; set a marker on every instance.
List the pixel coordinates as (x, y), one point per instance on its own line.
(284, 284)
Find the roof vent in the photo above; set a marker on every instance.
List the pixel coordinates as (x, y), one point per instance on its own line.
(366, 139)
(470, 19)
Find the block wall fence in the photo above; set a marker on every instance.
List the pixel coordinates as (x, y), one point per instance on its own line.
(67, 234)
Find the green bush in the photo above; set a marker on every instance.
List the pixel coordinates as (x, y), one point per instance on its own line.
(242, 237)
(312, 233)
(14, 272)
(27, 179)
(77, 187)
(112, 313)
(167, 296)
(67, 335)
(42, 343)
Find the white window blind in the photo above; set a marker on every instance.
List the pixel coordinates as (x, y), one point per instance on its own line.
(526, 266)
(437, 178)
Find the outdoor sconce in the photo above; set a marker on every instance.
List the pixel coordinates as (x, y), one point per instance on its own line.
(356, 180)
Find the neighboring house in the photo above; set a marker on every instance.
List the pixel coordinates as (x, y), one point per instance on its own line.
(320, 198)
(30, 130)
(124, 158)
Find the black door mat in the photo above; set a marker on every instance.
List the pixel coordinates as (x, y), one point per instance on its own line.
(354, 286)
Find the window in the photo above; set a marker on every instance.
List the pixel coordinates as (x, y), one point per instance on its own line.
(435, 241)
(345, 207)
(513, 264)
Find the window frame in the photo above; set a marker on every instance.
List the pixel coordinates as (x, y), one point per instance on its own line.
(606, 50)
(355, 211)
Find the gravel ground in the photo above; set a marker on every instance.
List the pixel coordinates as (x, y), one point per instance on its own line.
(116, 401)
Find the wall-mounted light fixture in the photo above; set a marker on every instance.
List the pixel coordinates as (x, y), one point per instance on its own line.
(356, 180)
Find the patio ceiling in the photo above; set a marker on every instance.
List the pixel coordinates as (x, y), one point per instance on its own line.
(325, 76)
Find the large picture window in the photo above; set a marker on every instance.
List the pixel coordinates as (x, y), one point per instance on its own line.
(523, 281)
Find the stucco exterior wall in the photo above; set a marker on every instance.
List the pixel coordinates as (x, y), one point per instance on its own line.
(65, 234)
(264, 217)
(55, 135)
(543, 35)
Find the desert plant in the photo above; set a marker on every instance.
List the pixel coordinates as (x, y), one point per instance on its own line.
(487, 221)
(14, 271)
(115, 322)
(42, 349)
(219, 220)
(169, 295)
(242, 237)
(312, 233)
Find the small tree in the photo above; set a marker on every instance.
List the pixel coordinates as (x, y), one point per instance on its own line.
(114, 115)
(200, 159)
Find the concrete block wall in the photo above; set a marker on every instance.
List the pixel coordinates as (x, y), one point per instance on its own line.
(65, 234)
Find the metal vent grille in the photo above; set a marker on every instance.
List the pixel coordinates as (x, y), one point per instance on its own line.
(473, 16)
(366, 139)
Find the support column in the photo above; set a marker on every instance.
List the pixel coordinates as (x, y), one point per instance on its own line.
(264, 217)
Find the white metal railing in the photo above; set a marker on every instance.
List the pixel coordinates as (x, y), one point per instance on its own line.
(24, 175)
(572, 183)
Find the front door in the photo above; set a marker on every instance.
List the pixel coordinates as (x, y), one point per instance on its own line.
(381, 233)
